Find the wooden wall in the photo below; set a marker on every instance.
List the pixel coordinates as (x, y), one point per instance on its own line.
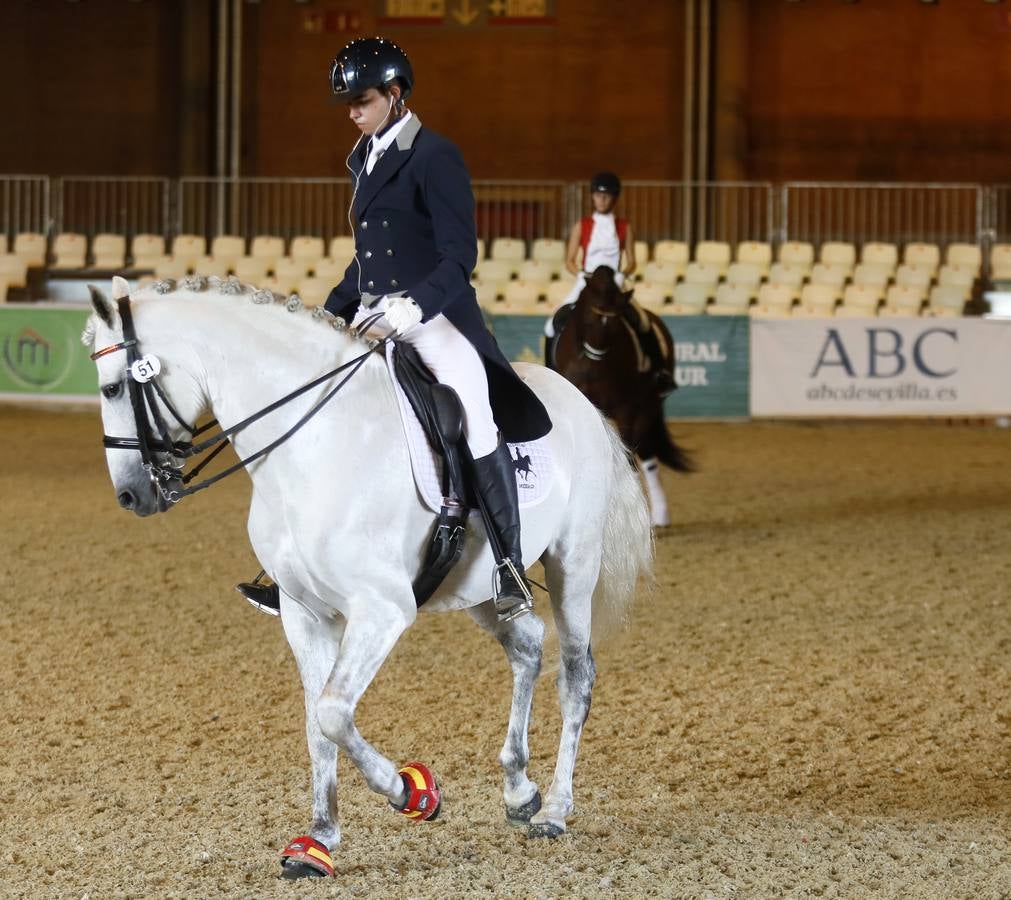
(884, 90)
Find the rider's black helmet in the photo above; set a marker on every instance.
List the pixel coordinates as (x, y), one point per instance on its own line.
(370, 63)
(606, 182)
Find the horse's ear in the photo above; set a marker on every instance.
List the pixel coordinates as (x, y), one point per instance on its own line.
(120, 287)
(103, 306)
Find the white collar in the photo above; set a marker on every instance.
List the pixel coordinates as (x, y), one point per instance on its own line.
(380, 145)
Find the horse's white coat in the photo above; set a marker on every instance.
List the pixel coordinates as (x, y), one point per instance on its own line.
(335, 519)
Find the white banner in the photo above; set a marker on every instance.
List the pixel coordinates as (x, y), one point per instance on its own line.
(880, 367)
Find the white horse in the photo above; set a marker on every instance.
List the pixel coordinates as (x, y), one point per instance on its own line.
(337, 522)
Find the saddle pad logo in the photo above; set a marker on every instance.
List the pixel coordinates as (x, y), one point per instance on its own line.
(524, 468)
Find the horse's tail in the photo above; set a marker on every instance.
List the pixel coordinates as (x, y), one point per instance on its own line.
(627, 546)
(666, 449)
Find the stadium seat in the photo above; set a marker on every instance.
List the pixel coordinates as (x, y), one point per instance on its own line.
(945, 300)
(306, 250)
(839, 253)
(267, 247)
(70, 251)
(829, 275)
(251, 270)
(3, 243)
(282, 283)
(875, 253)
(745, 274)
(548, 250)
(210, 265)
(713, 253)
(494, 270)
(512, 249)
(965, 256)
(342, 249)
(872, 275)
(860, 300)
(146, 250)
(703, 273)
(13, 270)
(641, 254)
(332, 269)
(1000, 262)
(903, 300)
(785, 275)
(228, 248)
(652, 296)
(913, 276)
(774, 300)
(556, 292)
(957, 276)
(108, 251)
(671, 252)
(755, 253)
(487, 295)
(170, 267)
(536, 270)
(188, 248)
(523, 297)
(923, 256)
(818, 299)
(290, 270)
(734, 299)
(662, 272)
(31, 247)
(689, 299)
(313, 291)
(796, 253)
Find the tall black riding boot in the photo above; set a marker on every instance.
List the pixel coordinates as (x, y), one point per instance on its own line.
(658, 363)
(495, 480)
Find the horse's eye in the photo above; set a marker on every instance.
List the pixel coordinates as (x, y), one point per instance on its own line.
(112, 391)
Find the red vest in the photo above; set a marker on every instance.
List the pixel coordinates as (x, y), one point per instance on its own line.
(586, 229)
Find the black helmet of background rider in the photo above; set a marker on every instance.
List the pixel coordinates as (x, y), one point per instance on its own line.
(606, 183)
(370, 63)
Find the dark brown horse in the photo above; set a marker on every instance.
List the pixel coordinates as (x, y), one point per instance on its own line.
(599, 351)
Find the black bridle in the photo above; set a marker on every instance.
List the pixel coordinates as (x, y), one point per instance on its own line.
(153, 436)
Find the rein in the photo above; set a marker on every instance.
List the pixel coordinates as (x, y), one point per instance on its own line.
(145, 390)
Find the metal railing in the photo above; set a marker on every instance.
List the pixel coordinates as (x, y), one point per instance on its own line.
(91, 205)
(895, 213)
(24, 204)
(999, 219)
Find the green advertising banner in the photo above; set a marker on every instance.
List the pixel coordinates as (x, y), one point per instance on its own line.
(42, 352)
(712, 360)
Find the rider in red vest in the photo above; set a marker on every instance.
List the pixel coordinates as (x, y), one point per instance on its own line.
(603, 239)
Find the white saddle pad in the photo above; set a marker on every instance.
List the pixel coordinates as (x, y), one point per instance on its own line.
(533, 463)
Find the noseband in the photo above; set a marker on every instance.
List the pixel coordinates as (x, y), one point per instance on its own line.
(144, 388)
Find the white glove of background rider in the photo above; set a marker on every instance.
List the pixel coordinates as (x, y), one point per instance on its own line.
(402, 314)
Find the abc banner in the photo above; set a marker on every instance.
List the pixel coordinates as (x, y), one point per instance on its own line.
(42, 353)
(880, 367)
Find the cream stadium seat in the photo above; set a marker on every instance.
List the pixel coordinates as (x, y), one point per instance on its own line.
(548, 250)
(661, 272)
(290, 270)
(146, 250)
(494, 270)
(652, 296)
(556, 292)
(108, 251)
(785, 275)
(965, 256)
(913, 276)
(188, 248)
(536, 270)
(342, 249)
(713, 253)
(1000, 262)
(671, 252)
(228, 248)
(512, 249)
(641, 254)
(146, 281)
(876, 253)
(839, 253)
(703, 273)
(480, 249)
(31, 247)
(170, 267)
(945, 300)
(872, 275)
(797, 253)
(210, 265)
(267, 247)
(313, 291)
(860, 300)
(523, 297)
(689, 300)
(307, 250)
(70, 251)
(332, 269)
(774, 300)
(958, 277)
(829, 275)
(903, 300)
(747, 275)
(3, 243)
(13, 270)
(487, 296)
(283, 284)
(923, 256)
(251, 270)
(733, 299)
(818, 300)
(755, 253)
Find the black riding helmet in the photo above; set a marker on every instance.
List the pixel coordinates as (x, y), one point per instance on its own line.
(607, 183)
(370, 63)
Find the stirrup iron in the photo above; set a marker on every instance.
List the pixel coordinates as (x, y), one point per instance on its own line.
(507, 605)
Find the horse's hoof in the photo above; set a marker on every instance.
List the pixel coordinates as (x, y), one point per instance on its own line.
(521, 815)
(292, 869)
(545, 830)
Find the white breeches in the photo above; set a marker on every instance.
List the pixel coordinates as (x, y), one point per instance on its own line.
(455, 363)
(573, 296)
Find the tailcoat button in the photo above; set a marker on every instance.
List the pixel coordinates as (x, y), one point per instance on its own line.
(386, 224)
(365, 224)
(393, 282)
(371, 285)
(389, 253)
(368, 254)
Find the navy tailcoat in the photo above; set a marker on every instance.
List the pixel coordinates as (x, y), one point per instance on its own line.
(416, 235)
